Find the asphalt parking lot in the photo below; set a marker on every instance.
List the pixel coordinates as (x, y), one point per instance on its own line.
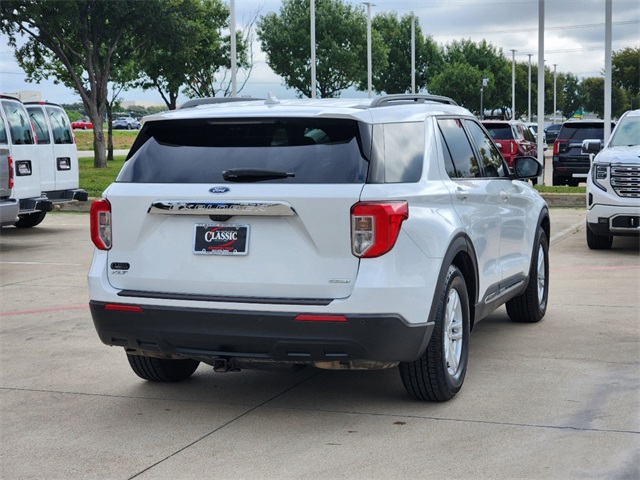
(554, 400)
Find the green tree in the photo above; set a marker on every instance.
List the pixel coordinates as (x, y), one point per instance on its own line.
(461, 82)
(571, 97)
(341, 45)
(82, 43)
(394, 75)
(490, 63)
(625, 71)
(592, 89)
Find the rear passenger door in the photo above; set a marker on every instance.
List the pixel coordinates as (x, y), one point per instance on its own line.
(65, 153)
(515, 202)
(475, 200)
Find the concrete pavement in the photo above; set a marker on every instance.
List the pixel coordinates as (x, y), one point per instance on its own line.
(555, 400)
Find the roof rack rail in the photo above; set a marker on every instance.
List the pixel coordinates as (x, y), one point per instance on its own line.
(410, 97)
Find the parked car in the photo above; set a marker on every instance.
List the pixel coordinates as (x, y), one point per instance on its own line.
(338, 233)
(9, 207)
(533, 128)
(613, 184)
(570, 163)
(514, 137)
(59, 171)
(552, 131)
(17, 135)
(83, 124)
(127, 123)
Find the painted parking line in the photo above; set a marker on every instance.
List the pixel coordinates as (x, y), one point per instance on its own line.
(585, 269)
(45, 310)
(43, 263)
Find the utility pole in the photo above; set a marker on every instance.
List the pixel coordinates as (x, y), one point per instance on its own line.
(541, 85)
(513, 84)
(232, 27)
(413, 53)
(313, 49)
(369, 72)
(529, 103)
(485, 82)
(555, 78)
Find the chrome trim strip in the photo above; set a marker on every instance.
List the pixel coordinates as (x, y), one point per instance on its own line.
(224, 298)
(502, 292)
(186, 207)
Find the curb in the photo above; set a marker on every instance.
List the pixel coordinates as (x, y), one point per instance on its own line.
(554, 200)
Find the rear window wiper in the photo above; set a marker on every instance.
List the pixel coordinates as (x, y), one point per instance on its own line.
(254, 174)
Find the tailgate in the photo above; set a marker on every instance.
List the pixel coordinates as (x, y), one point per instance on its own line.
(297, 244)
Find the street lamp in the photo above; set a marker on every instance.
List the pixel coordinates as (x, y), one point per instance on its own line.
(313, 49)
(529, 101)
(369, 72)
(513, 83)
(554, 92)
(232, 26)
(413, 53)
(485, 81)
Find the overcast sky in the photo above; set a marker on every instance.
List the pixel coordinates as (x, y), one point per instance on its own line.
(574, 37)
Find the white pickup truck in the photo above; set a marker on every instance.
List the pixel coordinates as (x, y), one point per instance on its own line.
(613, 184)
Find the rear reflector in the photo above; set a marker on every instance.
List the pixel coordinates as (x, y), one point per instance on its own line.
(321, 318)
(123, 308)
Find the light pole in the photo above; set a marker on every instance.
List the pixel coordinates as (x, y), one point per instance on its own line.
(413, 53)
(232, 27)
(485, 81)
(313, 49)
(607, 70)
(529, 97)
(369, 72)
(513, 83)
(554, 91)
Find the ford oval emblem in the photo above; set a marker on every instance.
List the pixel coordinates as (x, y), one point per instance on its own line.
(219, 190)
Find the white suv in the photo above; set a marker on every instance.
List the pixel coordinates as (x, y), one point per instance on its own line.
(336, 233)
(613, 185)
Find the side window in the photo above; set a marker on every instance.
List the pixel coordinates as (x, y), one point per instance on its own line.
(4, 140)
(528, 135)
(36, 115)
(489, 154)
(455, 138)
(59, 125)
(19, 125)
(404, 152)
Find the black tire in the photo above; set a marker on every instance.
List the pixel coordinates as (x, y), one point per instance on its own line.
(129, 126)
(162, 369)
(557, 181)
(598, 242)
(432, 377)
(84, 127)
(573, 183)
(29, 220)
(531, 305)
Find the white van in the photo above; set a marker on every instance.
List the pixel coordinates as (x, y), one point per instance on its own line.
(59, 174)
(17, 135)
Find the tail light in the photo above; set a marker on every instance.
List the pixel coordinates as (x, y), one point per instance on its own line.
(100, 221)
(375, 227)
(514, 147)
(560, 146)
(11, 173)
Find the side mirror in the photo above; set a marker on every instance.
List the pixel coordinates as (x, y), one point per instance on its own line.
(591, 146)
(526, 167)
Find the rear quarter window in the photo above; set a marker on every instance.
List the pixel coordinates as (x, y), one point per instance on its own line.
(199, 151)
(404, 152)
(19, 124)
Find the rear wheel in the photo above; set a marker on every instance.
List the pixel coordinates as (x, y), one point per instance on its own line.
(598, 242)
(439, 373)
(29, 220)
(162, 369)
(531, 305)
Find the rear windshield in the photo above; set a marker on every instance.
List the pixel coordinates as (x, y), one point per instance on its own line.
(499, 132)
(199, 151)
(581, 131)
(59, 126)
(19, 124)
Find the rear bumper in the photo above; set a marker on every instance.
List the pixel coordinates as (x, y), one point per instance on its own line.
(575, 169)
(65, 196)
(32, 205)
(275, 336)
(8, 212)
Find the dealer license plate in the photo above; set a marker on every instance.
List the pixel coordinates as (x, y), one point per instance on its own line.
(221, 239)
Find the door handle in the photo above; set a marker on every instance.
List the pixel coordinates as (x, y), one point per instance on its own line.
(461, 193)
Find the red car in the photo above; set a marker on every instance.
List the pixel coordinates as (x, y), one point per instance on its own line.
(514, 137)
(83, 124)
